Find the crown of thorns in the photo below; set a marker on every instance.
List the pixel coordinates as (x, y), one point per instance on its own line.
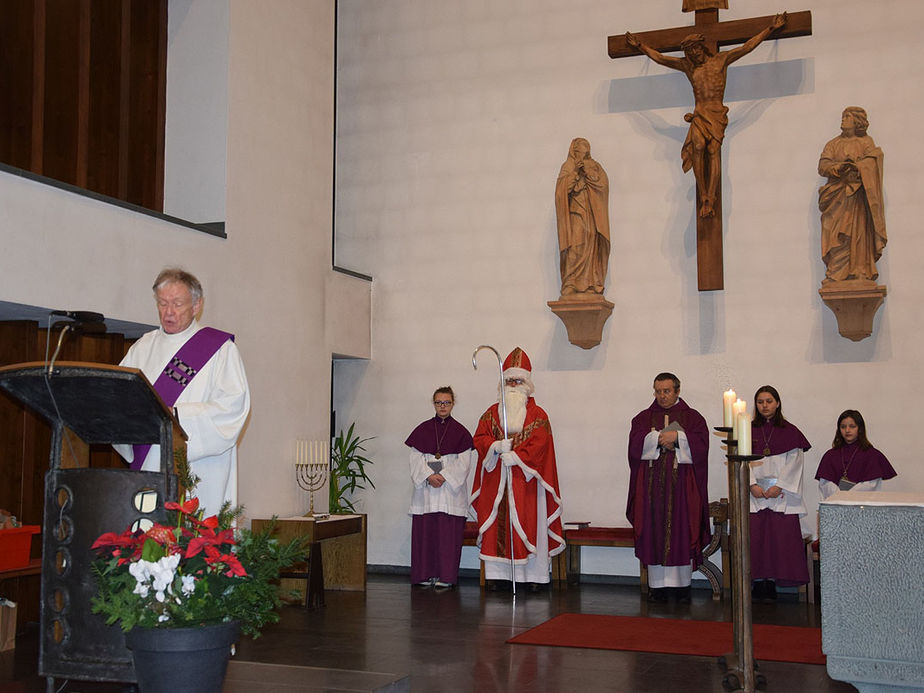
(692, 40)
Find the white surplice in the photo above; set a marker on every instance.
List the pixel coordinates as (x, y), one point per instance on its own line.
(212, 410)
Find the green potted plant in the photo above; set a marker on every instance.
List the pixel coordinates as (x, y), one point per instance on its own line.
(348, 470)
(186, 589)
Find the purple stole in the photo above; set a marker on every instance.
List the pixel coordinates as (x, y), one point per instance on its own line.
(179, 372)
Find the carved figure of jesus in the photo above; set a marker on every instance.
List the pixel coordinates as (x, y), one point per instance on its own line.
(708, 73)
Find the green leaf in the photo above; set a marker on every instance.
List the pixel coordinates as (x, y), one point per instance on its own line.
(348, 469)
(151, 551)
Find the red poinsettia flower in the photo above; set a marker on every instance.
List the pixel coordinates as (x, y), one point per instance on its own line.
(209, 538)
(199, 549)
(189, 507)
(113, 539)
(234, 566)
(214, 558)
(164, 536)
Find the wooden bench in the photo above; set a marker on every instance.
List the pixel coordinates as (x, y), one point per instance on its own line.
(470, 538)
(566, 566)
(807, 592)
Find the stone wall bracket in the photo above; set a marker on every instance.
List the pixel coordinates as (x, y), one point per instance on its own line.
(584, 317)
(854, 303)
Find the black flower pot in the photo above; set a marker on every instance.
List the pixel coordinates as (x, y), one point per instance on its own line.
(182, 660)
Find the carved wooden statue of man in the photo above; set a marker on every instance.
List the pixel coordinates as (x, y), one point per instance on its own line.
(707, 72)
(581, 209)
(853, 231)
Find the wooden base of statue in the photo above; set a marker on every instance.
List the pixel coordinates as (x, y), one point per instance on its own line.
(854, 303)
(584, 316)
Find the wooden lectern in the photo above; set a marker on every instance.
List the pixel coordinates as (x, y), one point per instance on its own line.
(87, 404)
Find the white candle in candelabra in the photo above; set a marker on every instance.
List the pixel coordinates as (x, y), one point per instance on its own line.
(739, 407)
(728, 401)
(744, 434)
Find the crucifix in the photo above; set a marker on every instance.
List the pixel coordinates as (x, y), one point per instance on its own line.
(706, 68)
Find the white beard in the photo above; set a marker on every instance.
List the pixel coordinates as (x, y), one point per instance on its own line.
(516, 408)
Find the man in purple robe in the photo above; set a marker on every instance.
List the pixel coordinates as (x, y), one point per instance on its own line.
(668, 505)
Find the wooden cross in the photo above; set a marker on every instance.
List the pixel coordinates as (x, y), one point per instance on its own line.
(716, 34)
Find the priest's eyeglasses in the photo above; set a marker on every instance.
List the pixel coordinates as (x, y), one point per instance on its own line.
(442, 402)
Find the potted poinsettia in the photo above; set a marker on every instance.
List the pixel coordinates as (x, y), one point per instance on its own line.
(193, 580)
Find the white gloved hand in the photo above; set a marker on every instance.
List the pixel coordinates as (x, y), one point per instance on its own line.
(499, 447)
(508, 459)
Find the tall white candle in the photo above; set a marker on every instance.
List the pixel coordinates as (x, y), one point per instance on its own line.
(739, 407)
(728, 401)
(744, 434)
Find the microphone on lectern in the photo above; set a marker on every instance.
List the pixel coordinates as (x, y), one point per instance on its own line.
(84, 322)
(79, 315)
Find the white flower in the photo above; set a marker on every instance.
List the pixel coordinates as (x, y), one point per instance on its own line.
(139, 570)
(163, 571)
(189, 584)
(158, 576)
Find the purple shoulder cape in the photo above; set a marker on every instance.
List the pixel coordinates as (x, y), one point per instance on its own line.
(451, 436)
(861, 465)
(779, 440)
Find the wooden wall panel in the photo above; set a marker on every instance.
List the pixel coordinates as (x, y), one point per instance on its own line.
(146, 103)
(105, 117)
(18, 341)
(84, 85)
(62, 57)
(25, 439)
(16, 77)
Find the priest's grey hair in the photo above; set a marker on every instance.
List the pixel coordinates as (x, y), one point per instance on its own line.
(170, 275)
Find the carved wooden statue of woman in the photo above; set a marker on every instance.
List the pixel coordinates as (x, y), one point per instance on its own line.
(853, 231)
(581, 208)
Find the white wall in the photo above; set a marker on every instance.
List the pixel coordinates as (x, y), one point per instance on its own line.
(196, 143)
(265, 282)
(453, 120)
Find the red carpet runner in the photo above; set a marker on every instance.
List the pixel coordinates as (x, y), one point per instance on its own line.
(671, 636)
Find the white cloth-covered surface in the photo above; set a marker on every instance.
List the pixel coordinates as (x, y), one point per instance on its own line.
(877, 498)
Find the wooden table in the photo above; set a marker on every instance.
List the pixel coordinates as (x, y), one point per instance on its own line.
(337, 557)
(33, 568)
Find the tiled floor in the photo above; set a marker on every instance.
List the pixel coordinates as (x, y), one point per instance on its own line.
(455, 641)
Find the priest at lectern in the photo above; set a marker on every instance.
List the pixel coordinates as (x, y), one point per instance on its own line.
(198, 372)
